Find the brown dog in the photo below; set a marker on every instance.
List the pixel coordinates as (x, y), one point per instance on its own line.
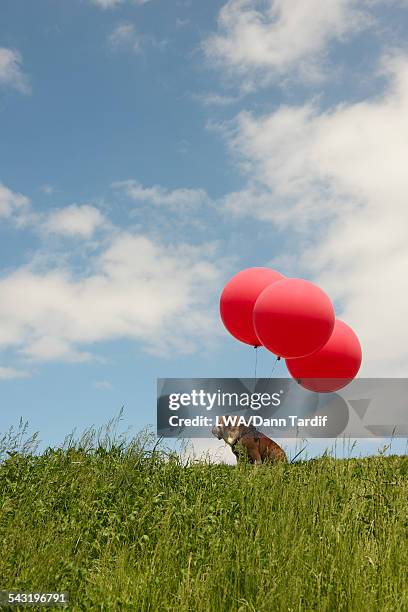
(246, 441)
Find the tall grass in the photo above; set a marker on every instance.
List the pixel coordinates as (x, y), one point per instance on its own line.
(130, 526)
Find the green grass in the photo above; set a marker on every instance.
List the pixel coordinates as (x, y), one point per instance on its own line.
(124, 528)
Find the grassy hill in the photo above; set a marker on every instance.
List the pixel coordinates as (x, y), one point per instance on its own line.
(123, 528)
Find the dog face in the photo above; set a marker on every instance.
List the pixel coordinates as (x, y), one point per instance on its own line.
(230, 433)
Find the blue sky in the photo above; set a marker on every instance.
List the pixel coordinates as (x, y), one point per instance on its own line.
(149, 150)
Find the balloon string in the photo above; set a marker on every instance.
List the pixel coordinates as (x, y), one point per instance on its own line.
(274, 366)
(256, 362)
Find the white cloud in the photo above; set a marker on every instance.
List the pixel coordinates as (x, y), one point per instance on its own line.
(107, 4)
(215, 99)
(54, 348)
(81, 221)
(137, 289)
(272, 37)
(111, 4)
(124, 35)
(341, 176)
(182, 23)
(11, 73)
(47, 189)
(11, 202)
(103, 385)
(174, 199)
(276, 152)
(11, 373)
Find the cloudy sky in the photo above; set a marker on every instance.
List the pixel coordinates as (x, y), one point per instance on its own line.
(151, 149)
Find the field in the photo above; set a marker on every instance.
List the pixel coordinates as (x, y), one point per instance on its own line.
(124, 526)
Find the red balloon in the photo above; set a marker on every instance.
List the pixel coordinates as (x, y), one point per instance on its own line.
(333, 366)
(293, 318)
(238, 299)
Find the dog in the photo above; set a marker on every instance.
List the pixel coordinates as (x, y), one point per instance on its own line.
(247, 443)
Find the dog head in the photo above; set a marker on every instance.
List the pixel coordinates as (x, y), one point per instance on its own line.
(231, 433)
